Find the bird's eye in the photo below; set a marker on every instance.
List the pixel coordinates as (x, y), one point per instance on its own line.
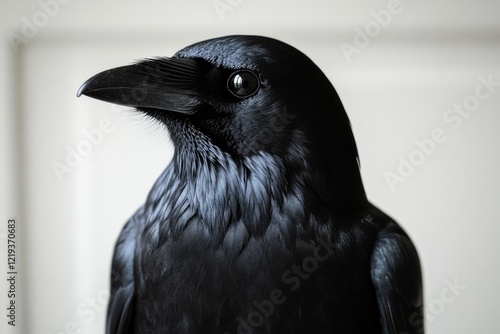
(243, 84)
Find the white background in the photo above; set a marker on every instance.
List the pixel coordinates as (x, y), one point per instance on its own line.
(396, 90)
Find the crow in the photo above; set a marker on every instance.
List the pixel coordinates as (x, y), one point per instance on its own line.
(260, 223)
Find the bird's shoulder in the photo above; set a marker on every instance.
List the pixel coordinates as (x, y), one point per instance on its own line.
(120, 308)
(397, 279)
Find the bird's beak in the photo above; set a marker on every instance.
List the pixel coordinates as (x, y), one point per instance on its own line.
(165, 84)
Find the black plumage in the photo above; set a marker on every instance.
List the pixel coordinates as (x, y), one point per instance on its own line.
(260, 224)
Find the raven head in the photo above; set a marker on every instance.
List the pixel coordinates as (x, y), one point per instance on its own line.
(241, 96)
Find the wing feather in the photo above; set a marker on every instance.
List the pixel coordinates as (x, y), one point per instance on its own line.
(121, 303)
(397, 278)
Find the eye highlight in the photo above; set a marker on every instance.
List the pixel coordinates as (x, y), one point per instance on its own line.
(243, 84)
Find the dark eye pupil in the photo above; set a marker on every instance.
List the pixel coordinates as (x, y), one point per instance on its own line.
(243, 84)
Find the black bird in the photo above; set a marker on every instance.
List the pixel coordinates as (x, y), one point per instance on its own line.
(260, 224)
